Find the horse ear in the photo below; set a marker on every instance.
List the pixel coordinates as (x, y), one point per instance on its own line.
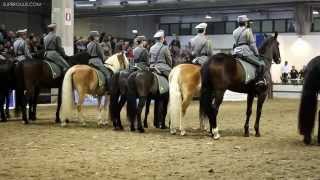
(276, 35)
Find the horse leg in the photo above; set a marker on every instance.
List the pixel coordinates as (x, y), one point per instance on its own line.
(8, 93)
(216, 105)
(79, 108)
(59, 105)
(34, 104)
(250, 98)
(120, 106)
(2, 113)
(164, 110)
(156, 113)
(145, 121)
(319, 127)
(99, 111)
(141, 104)
(260, 102)
(184, 106)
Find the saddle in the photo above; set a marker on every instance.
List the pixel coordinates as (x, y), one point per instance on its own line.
(56, 71)
(163, 83)
(250, 71)
(101, 78)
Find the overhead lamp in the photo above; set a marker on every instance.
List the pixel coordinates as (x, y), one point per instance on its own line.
(92, 0)
(208, 16)
(315, 12)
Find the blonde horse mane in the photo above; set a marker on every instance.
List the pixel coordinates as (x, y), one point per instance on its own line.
(117, 62)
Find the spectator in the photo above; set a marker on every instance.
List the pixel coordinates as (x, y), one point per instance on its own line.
(301, 73)
(294, 75)
(285, 70)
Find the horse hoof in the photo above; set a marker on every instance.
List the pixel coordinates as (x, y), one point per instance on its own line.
(183, 132)
(25, 122)
(2, 121)
(246, 135)
(307, 140)
(146, 126)
(257, 135)
(164, 127)
(173, 131)
(141, 130)
(216, 136)
(132, 129)
(63, 124)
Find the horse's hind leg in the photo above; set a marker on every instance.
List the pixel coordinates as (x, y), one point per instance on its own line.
(142, 101)
(2, 113)
(184, 106)
(145, 121)
(8, 93)
(122, 101)
(319, 127)
(249, 112)
(34, 104)
(261, 100)
(79, 108)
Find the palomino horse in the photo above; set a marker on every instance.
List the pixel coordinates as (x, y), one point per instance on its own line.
(309, 100)
(222, 72)
(84, 79)
(35, 74)
(184, 84)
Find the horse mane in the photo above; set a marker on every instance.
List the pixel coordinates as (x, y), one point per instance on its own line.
(265, 45)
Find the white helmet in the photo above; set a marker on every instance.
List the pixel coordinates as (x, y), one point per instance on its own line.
(243, 18)
(159, 33)
(201, 26)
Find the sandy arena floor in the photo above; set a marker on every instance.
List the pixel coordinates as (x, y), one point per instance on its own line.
(44, 150)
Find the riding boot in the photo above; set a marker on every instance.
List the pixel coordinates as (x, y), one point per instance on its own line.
(261, 82)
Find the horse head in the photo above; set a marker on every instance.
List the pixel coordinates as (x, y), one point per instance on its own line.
(270, 49)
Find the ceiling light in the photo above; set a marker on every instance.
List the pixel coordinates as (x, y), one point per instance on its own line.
(314, 12)
(92, 0)
(208, 16)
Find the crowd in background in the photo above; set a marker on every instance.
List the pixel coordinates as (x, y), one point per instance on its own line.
(291, 74)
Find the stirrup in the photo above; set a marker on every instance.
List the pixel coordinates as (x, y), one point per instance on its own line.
(261, 83)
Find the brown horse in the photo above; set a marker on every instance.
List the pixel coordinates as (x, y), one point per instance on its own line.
(84, 79)
(36, 74)
(222, 72)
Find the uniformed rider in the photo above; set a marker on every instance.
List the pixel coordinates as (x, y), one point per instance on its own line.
(160, 57)
(201, 46)
(97, 57)
(245, 46)
(53, 47)
(140, 53)
(20, 47)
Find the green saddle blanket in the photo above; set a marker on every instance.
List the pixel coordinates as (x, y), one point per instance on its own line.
(249, 70)
(56, 71)
(163, 83)
(101, 78)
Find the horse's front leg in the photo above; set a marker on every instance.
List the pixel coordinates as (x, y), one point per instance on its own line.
(250, 98)
(59, 105)
(261, 99)
(102, 110)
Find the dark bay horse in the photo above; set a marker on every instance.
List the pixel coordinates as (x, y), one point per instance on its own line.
(222, 72)
(35, 74)
(143, 85)
(7, 79)
(309, 100)
(119, 93)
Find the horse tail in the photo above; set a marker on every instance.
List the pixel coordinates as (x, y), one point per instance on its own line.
(175, 94)
(114, 97)
(19, 74)
(206, 91)
(131, 99)
(67, 104)
(309, 100)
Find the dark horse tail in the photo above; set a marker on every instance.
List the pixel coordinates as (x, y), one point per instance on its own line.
(19, 74)
(114, 97)
(132, 99)
(309, 97)
(206, 91)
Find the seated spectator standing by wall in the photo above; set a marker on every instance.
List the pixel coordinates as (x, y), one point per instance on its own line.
(294, 75)
(285, 70)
